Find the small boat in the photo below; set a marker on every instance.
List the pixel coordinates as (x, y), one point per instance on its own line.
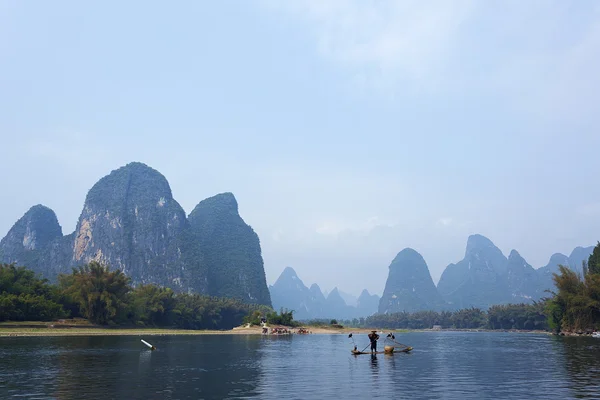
(596, 335)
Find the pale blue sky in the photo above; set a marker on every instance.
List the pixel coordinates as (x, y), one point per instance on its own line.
(347, 130)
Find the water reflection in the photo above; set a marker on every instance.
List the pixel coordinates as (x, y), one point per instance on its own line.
(442, 365)
(121, 367)
(374, 365)
(582, 362)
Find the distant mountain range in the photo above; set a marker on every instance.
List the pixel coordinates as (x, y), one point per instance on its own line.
(289, 292)
(131, 221)
(484, 277)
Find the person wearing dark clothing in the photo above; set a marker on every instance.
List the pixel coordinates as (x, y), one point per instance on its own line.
(373, 336)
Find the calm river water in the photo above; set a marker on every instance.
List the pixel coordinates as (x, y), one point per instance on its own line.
(443, 365)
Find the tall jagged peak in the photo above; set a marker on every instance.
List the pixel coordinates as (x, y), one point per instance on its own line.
(407, 255)
(479, 242)
(365, 295)
(578, 256)
(335, 299)
(514, 254)
(335, 295)
(579, 248)
(514, 258)
(131, 222)
(580, 252)
(133, 181)
(316, 293)
(234, 255)
(289, 271)
(220, 204)
(315, 287)
(480, 250)
(558, 258)
(409, 286)
(34, 230)
(288, 275)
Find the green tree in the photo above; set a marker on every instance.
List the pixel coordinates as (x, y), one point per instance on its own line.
(577, 299)
(594, 260)
(284, 317)
(26, 297)
(152, 305)
(254, 318)
(102, 295)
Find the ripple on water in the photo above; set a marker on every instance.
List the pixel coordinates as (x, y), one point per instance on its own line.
(443, 365)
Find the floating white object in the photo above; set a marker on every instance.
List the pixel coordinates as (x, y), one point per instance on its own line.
(148, 344)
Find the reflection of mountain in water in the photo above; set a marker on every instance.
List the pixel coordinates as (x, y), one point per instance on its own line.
(457, 365)
(207, 367)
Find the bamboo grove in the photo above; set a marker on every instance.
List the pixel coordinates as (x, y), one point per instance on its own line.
(106, 297)
(575, 306)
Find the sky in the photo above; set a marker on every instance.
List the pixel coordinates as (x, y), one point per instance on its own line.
(347, 130)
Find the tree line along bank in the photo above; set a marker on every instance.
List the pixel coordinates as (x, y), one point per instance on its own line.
(106, 297)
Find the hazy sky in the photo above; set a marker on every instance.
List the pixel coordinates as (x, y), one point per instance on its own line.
(348, 130)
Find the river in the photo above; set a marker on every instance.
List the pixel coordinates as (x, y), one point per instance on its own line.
(443, 365)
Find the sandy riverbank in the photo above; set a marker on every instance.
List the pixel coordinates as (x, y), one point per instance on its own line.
(20, 330)
(83, 328)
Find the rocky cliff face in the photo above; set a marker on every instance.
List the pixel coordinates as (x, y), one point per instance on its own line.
(316, 295)
(479, 280)
(34, 238)
(574, 261)
(289, 292)
(544, 274)
(231, 249)
(485, 277)
(34, 231)
(521, 279)
(316, 307)
(131, 221)
(578, 256)
(409, 286)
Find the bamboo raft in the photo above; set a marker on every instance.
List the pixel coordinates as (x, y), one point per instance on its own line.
(387, 350)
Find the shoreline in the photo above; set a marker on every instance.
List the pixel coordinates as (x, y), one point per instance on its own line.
(41, 329)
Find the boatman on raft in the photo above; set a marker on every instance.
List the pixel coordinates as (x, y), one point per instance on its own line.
(373, 336)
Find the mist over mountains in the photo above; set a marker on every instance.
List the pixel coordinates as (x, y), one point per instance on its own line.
(290, 292)
(131, 221)
(483, 278)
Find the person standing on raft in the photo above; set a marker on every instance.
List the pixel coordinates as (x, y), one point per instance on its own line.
(373, 336)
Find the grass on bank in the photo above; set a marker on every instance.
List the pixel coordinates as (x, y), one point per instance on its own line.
(101, 332)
